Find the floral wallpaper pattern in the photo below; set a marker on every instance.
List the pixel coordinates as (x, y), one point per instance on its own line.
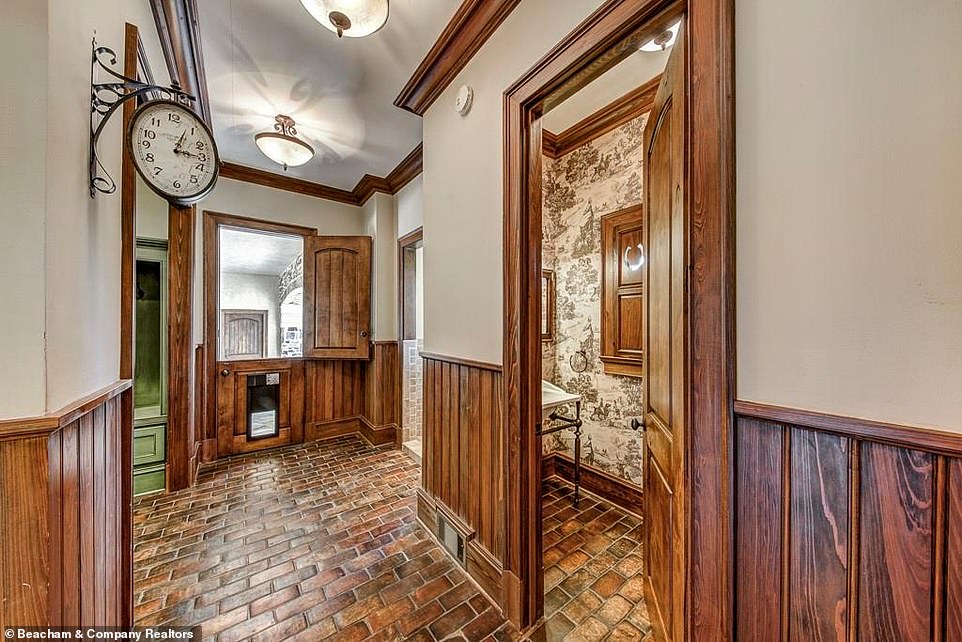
(602, 176)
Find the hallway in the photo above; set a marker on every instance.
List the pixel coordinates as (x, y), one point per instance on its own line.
(320, 541)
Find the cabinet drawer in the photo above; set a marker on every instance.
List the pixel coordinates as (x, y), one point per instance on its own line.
(150, 479)
(150, 444)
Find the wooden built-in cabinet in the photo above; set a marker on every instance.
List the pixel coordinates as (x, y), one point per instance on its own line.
(622, 298)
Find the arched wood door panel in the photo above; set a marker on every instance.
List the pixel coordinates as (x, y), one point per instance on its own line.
(337, 297)
(666, 340)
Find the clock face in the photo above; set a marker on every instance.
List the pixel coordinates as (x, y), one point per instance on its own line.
(174, 151)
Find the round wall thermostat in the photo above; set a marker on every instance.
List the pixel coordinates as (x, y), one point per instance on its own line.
(462, 104)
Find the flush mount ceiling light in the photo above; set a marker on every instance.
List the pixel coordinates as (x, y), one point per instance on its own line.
(282, 145)
(663, 40)
(351, 18)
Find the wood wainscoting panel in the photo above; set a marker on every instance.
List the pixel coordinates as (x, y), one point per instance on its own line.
(845, 534)
(463, 454)
(818, 544)
(953, 553)
(382, 394)
(758, 546)
(334, 393)
(64, 537)
(896, 515)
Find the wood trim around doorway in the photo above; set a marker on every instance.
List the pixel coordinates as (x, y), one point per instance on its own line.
(711, 297)
(211, 249)
(404, 277)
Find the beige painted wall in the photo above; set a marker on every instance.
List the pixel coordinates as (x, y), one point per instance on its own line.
(463, 184)
(60, 335)
(23, 55)
(380, 216)
(849, 224)
(410, 206)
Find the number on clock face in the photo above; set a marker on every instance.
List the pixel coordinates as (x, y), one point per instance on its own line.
(173, 151)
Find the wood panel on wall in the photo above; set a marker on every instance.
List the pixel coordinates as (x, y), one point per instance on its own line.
(845, 529)
(65, 536)
(462, 469)
(382, 394)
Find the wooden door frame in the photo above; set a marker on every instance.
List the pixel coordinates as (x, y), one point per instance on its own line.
(212, 221)
(411, 238)
(708, 486)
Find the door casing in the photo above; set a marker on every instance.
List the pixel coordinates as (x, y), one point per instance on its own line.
(708, 577)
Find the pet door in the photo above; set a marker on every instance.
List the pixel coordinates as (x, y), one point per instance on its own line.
(262, 405)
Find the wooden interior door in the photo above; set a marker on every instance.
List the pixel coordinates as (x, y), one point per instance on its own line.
(666, 374)
(244, 334)
(337, 297)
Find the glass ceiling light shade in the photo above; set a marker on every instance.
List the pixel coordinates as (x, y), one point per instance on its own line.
(351, 18)
(282, 145)
(663, 40)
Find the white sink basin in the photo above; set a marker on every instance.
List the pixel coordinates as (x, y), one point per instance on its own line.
(552, 396)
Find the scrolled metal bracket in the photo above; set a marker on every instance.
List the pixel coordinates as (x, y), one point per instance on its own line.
(106, 98)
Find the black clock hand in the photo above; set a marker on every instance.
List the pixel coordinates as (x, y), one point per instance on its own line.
(180, 141)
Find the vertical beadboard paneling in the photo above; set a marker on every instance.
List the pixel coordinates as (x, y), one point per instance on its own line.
(953, 575)
(63, 537)
(462, 446)
(758, 557)
(896, 515)
(870, 533)
(818, 575)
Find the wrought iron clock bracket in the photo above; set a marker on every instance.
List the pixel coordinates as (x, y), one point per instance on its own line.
(106, 98)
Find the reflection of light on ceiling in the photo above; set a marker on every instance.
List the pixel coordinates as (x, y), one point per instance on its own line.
(663, 40)
(329, 121)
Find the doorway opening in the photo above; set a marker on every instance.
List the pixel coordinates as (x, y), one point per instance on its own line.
(686, 247)
(411, 333)
(593, 320)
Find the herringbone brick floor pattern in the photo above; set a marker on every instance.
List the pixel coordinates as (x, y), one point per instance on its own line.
(320, 542)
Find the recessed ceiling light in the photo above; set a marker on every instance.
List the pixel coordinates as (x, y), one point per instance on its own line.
(282, 145)
(351, 18)
(663, 40)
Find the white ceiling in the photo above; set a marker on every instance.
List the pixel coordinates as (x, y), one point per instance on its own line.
(631, 73)
(257, 252)
(265, 57)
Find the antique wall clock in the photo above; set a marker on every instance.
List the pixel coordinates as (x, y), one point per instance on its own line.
(171, 146)
(173, 151)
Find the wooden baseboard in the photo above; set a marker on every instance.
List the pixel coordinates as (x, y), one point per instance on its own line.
(374, 435)
(379, 435)
(321, 430)
(618, 491)
(481, 566)
(208, 450)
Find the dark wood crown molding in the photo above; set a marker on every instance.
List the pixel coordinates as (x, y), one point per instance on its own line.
(473, 23)
(613, 115)
(179, 32)
(404, 173)
(288, 183)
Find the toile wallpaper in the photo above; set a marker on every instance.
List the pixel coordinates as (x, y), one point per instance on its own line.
(601, 176)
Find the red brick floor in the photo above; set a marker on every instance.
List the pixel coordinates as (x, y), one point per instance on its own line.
(593, 569)
(320, 542)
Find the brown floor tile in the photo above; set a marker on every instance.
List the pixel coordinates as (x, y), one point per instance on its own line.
(320, 541)
(310, 542)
